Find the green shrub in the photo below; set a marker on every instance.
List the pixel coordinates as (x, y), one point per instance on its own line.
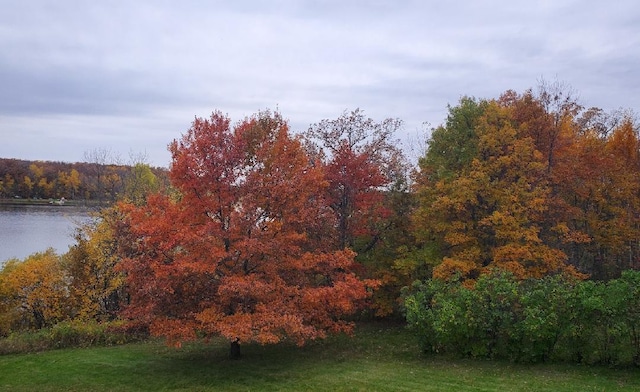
(530, 321)
(493, 314)
(544, 321)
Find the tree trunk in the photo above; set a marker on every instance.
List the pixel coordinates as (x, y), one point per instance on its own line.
(234, 353)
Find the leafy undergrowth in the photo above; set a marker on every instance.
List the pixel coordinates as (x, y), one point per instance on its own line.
(73, 334)
(381, 357)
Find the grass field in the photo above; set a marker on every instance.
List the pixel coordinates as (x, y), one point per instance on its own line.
(381, 357)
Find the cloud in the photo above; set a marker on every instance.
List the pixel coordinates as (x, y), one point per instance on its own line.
(79, 74)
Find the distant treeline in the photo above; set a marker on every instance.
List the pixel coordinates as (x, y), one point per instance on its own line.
(24, 179)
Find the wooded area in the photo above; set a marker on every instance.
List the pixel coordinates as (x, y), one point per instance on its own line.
(260, 234)
(97, 181)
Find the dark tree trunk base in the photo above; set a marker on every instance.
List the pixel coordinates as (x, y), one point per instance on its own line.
(234, 352)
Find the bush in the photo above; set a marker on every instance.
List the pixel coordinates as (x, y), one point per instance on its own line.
(25, 342)
(73, 334)
(530, 321)
(543, 319)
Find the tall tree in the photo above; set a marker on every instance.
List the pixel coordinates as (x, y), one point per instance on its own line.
(368, 193)
(598, 179)
(450, 151)
(362, 161)
(234, 253)
(491, 213)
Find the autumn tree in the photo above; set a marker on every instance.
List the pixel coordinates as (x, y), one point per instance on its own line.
(7, 184)
(27, 186)
(33, 292)
(234, 253)
(598, 179)
(491, 213)
(545, 116)
(139, 183)
(361, 160)
(38, 179)
(99, 174)
(69, 183)
(450, 151)
(96, 286)
(592, 171)
(367, 192)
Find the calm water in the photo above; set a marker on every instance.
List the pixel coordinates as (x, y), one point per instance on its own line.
(28, 229)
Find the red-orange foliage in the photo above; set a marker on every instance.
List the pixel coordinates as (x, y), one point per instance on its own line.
(368, 195)
(354, 182)
(363, 165)
(235, 251)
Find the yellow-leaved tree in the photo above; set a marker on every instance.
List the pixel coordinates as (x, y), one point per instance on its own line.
(96, 287)
(33, 292)
(491, 212)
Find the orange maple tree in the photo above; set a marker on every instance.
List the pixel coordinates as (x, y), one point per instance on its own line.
(235, 251)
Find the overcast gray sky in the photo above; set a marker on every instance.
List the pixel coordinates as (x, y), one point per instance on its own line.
(130, 76)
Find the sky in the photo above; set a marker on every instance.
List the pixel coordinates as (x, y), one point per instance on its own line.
(128, 77)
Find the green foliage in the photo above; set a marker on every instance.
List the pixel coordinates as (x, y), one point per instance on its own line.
(140, 182)
(606, 320)
(419, 309)
(543, 302)
(475, 322)
(491, 308)
(536, 320)
(453, 146)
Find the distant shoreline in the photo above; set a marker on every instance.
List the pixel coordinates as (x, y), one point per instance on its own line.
(52, 202)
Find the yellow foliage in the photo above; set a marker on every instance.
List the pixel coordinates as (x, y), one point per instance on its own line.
(34, 291)
(452, 269)
(95, 285)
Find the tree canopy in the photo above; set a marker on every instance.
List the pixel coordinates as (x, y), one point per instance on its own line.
(236, 252)
(532, 184)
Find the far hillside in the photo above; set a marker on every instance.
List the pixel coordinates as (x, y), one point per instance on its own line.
(44, 181)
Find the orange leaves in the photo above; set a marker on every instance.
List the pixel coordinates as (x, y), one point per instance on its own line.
(237, 253)
(451, 268)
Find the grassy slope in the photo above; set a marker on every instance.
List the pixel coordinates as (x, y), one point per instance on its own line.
(380, 358)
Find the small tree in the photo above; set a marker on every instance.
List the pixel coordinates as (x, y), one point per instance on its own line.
(96, 287)
(33, 292)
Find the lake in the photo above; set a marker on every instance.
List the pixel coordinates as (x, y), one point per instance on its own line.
(25, 230)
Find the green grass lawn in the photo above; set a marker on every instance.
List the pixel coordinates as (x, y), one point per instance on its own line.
(381, 357)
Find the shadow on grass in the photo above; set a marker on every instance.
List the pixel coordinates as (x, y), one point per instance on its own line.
(380, 357)
(284, 365)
